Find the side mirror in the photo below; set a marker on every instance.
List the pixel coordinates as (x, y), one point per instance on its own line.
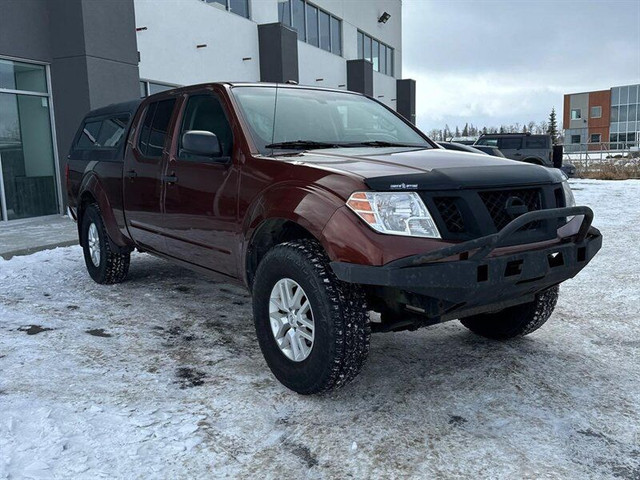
(200, 142)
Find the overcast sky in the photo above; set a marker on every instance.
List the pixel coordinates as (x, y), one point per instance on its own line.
(500, 62)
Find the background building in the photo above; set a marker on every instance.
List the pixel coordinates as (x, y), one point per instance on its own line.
(61, 58)
(602, 120)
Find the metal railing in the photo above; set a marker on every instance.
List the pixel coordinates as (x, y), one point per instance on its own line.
(600, 151)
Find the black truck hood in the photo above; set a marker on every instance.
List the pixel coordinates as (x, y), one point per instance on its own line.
(427, 169)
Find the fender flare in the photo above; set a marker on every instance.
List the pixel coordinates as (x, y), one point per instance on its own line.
(91, 184)
(308, 206)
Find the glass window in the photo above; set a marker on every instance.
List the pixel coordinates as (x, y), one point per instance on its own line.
(367, 48)
(112, 131)
(615, 96)
(576, 114)
(492, 142)
(624, 95)
(375, 47)
(360, 45)
(240, 7)
(284, 12)
(613, 137)
(143, 139)
(154, 129)
(27, 156)
(298, 19)
(622, 113)
(390, 61)
(633, 93)
(143, 89)
(595, 138)
(336, 36)
(510, 143)
(89, 136)
(596, 112)
(383, 58)
(320, 116)
(575, 139)
(158, 87)
(631, 115)
(535, 142)
(204, 112)
(614, 114)
(159, 127)
(325, 31)
(22, 76)
(312, 25)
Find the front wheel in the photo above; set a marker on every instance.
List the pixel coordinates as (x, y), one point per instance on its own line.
(103, 263)
(313, 329)
(516, 321)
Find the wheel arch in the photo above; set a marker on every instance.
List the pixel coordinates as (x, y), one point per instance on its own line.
(91, 191)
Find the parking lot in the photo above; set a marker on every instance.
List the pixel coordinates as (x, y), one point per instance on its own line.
(161, 377)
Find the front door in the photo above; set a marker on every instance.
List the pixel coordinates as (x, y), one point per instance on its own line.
(200, 199)
(143, 186)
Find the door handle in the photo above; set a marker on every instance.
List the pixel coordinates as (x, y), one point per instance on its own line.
(169, 179)
(132, 174)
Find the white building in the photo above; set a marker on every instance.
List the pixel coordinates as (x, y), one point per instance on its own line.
(184, 42)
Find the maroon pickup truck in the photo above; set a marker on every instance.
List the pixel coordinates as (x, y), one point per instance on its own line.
(326, 205)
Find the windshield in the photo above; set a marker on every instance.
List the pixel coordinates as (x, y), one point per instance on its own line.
(306, 119)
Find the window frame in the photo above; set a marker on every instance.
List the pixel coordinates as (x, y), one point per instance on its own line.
(175, 149)
(591, 140)
(389, 53)
(101, 119)
(578, 116)
(306, 6)
(599, 107)
(144, 154)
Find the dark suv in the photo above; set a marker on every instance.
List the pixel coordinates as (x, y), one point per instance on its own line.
(325, 205)
(536, 149)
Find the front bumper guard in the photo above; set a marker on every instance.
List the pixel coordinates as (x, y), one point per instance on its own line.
(474, 278)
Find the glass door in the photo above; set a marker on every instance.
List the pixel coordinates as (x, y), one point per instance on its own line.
(27, 160)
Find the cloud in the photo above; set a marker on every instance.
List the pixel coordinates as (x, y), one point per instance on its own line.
(495, 62)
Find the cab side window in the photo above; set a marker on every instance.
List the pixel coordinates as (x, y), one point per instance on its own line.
(154, 129)
(205, 112)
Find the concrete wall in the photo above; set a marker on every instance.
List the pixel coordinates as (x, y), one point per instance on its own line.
(168, 50)
(168, 46)
(581, 101)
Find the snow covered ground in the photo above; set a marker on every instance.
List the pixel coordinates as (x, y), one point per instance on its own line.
(161, 377)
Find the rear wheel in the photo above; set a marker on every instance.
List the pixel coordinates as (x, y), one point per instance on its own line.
(103, 263)
(516, 321)
(312, 328)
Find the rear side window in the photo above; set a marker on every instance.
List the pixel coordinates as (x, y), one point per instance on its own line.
(510, 143)
(154, 128)
(492, 142)
(534, 142)
(105, 133)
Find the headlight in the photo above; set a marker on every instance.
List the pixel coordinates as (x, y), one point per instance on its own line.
(569, 199)
(401, 213)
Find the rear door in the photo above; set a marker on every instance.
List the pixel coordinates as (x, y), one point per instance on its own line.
(511, 147)
(143, 186)
(200, 204)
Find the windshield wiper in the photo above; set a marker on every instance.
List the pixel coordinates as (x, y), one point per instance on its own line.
(302, 144)
(381, 143)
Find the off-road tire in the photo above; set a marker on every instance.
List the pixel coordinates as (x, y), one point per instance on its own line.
(342, 329)
(114, 266)
(516, 321)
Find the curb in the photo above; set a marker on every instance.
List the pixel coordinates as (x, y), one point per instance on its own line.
(38, 248)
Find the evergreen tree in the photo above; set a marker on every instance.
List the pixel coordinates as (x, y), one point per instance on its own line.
(552, 129)
(457, 132)
(465, 130)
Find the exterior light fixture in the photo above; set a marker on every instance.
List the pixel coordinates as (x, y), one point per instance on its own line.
(384, 17)
(202, 45)
(140, 29)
